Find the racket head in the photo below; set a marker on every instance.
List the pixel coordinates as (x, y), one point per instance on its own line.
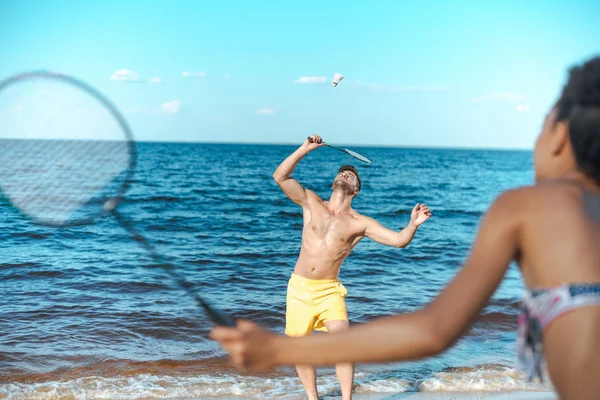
(67, 154)
(358, 156)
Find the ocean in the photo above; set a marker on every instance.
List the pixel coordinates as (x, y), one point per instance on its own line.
(83, 314)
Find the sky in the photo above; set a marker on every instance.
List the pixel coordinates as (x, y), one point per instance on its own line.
(416, 73)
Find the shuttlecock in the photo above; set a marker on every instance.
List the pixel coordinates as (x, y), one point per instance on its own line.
(337, 78)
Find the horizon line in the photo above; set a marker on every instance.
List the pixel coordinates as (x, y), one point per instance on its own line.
(386, 146)
(389, 146)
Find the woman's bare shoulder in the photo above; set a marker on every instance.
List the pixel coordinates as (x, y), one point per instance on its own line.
(541, 195)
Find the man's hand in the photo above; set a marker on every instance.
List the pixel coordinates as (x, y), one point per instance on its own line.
(419, 214)
(249, 345)
(313, 142)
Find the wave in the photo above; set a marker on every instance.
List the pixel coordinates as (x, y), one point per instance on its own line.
(8, 266)
(293, 214)
(155, 199)
(171, 379)
(23, 273)
(30, 235)
(483, 378)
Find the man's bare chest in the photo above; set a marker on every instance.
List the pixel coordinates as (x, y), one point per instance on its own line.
(331, 227)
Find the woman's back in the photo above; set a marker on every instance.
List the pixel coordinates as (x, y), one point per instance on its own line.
(560, 240)
(560, 262)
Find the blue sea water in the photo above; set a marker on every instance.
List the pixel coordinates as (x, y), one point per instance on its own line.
(84, 314)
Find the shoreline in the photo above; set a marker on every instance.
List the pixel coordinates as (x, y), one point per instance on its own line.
(504, 395)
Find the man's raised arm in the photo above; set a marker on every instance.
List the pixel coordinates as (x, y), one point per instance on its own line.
(282, 174)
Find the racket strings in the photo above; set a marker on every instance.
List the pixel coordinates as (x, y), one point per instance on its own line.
(358, 156)
(52, 181)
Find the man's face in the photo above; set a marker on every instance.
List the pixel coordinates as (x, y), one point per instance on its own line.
(346, 180)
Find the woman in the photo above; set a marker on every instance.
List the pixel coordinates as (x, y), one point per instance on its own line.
(552, 229)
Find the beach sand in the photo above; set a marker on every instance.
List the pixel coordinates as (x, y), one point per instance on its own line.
(508, 395)
(512, 395)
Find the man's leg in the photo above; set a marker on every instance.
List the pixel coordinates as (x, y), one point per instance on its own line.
(308, 377)
(344, 372)
(299, 321)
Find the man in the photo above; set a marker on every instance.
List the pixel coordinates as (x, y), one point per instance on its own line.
(315, 297)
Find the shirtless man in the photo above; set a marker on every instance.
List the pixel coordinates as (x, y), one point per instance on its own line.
(315, 296)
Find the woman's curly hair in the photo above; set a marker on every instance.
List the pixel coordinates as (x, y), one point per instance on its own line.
(579, 106)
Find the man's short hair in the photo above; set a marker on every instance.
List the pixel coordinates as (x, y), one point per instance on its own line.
(352, 169)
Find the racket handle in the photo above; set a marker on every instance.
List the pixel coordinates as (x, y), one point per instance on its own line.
(311, 140)
(217, 316)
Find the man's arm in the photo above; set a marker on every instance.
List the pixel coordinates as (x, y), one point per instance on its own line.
(282, 174)
(377, 232)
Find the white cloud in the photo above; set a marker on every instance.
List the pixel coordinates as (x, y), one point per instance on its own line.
(311, 79)
(171, 107)
(518, 101)
(187, 74)
(125, 75)
(265, 111)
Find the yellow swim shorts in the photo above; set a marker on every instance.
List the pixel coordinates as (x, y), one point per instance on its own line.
(311, 303)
